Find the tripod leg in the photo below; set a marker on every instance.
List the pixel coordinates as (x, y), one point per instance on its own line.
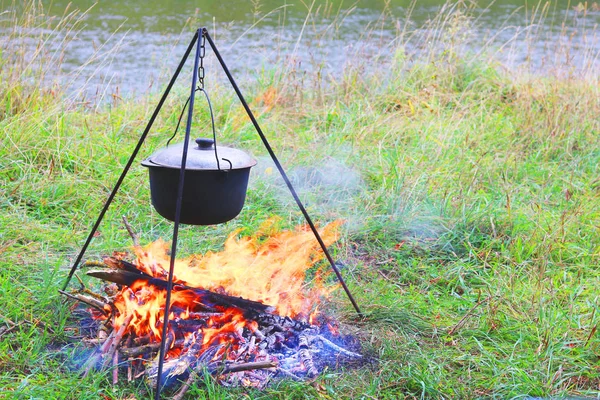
(282, 172)
(131, 159)
(161, 355)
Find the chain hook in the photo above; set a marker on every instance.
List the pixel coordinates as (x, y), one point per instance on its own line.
(202, 54)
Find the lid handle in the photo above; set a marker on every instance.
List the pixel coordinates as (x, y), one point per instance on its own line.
(205, 143)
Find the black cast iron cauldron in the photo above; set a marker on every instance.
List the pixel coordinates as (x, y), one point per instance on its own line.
(214, 189)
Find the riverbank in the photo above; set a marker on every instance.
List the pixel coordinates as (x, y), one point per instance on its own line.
(471, 198)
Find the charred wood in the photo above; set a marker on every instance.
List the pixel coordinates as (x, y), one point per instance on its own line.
(247, 366)
(174, 368)
(306, 357)
(116, 263)
(127, 278)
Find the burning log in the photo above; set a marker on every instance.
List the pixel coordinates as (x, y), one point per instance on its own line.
(115, 263)
(127, 278)
(263, 338)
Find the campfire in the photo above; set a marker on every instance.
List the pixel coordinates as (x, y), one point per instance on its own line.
(247, 315)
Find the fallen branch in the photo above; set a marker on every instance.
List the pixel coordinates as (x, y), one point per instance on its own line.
(134, 237)
(90, 301)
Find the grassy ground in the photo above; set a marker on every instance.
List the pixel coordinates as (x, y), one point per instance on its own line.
(472, 241)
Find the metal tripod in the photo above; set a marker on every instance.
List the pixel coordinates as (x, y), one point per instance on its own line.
(200, 38)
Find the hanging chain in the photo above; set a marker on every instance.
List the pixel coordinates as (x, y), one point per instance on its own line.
(201, 67)
(200, 84)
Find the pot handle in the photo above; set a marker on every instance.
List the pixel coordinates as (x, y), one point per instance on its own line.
(179, 119)
(230, 164)
(212, 121)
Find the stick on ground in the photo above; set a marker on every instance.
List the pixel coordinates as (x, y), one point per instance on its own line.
(134, 237)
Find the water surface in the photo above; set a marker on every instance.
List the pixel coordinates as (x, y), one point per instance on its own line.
(145, 39)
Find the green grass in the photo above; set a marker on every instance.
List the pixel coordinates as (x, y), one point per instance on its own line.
(472, 208)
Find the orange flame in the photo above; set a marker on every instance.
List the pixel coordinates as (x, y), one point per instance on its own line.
(269, 267)
(272, 271)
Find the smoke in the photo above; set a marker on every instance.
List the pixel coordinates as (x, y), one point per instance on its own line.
(330, 190)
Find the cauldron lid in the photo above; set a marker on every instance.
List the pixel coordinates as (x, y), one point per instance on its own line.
(201, 156)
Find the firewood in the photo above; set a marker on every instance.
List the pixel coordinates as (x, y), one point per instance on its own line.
(259, 334)
(145, 349)
(129, 360)
(280, 323)
(112, 348)
(127, 278)
(203, 314)
(303, 341)
(189, 325)
(185, 387)
(90, 301)
(226, 370)
(115, 263)
(141, 340)
(96, 356)
(115, 366)
(248, 357)
(288, 374)
(248, 366)
(251, 345)
(174, 368)
(207, 355)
